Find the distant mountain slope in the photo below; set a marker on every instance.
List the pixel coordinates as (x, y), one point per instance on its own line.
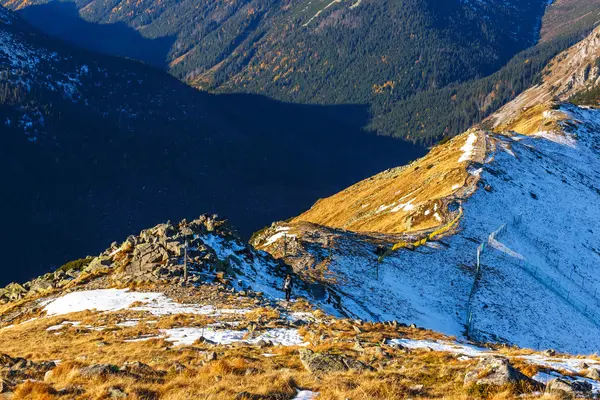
(93, 147)
(380, 53)
(563, 16)
(493, 235)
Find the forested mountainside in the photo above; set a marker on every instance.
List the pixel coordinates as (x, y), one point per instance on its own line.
(492, 235)
(388, 55)
(94, 146)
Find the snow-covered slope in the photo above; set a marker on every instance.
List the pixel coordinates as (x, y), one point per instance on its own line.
(537, 285)
(513, 255)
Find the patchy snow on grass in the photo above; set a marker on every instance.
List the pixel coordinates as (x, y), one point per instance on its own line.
(141, 339)
(120, 299)
(306, 395)
(545, 377)
(100, 300)
(468, 148)
(571, 365)
(62, 325)
(188, 335)
(559, 138)
(448, 347)
(466, 351)
(300, 316)
(404, 206)
(278, 236)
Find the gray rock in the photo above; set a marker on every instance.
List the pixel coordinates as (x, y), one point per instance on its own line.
(495, 371)
(5, 385)
(317, 363)
(210, 356)
(570, 387)
(41, 286)
(141, 369)
(263, 343)
(594, 374)
(99, 370)
(178, 367)
(116, 392)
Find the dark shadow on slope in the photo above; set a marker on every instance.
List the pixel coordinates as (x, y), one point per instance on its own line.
(62, 20)
(144, 148)
(254, 161)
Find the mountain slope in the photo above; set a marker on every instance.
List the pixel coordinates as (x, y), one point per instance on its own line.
(530, 202)
(127, 324)
(94, 147)
(318, 52)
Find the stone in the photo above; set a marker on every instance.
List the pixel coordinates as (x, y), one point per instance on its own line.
(5, 386)
(550, 352)
(594, 374)
(494, 371)
(41, 286)
(416, 389)
(48, 376)
(145, 394)
(178, 367)
(564, 385)
(71, 390)
(263, 343)
(115, 392)
(98, 370)
(358, 346)
(141, 369)
(318, 363)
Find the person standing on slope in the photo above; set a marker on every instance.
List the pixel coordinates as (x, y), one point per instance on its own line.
(287, 287)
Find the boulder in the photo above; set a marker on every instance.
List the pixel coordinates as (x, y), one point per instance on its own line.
(495, 371)
(14, 291)
(178, 367)
(98, 370)
(141, 369)
(41, 286)
(5, 385)
(7, 361)
(570, 387)
(99, 264)
(594, 374)
(317, 363)
(115, 392)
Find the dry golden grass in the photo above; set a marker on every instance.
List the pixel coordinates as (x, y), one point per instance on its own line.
(237, 369)
(425, 183)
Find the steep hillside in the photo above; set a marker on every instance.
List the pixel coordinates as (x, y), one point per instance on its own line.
(318, 52)
(95, 147)
(568, 15)
(130, 323)
(496, 239)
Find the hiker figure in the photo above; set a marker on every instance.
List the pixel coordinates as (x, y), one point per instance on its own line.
(287, 287)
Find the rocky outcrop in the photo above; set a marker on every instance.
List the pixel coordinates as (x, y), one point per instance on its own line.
(495, 371)
(157, 255)
(14, 370)
(325, 363)
(570, 387)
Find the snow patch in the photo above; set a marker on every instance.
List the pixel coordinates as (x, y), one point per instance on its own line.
(468, 148)
(188, 335)
(119, 299)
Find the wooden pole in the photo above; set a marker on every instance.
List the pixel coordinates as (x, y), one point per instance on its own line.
(185, 270)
